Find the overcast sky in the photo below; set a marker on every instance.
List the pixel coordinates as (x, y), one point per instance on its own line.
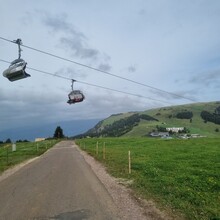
(170, 45)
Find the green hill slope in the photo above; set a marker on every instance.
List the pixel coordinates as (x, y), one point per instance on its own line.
(138, 124)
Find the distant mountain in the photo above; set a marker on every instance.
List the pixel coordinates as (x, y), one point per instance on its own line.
(70, 128)
(196, 118)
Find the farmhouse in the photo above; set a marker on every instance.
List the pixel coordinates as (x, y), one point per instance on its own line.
(39, 139)
(175, 129)
(159, 134)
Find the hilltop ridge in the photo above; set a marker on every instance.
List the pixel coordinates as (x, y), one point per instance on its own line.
(195, 118)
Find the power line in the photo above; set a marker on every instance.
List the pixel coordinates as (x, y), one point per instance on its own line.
(90, 84)
(99, 70)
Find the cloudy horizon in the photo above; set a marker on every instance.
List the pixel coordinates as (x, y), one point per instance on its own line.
(168, 45)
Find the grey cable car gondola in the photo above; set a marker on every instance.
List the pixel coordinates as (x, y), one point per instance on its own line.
(75, 95)
(16, 70)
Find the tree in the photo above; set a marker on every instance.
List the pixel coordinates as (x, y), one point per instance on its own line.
(8, 141)
(58, 133)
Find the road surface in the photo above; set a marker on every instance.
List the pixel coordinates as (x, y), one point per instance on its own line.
(59, 185)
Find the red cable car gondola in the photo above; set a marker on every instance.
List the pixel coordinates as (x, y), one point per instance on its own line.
(75, 96)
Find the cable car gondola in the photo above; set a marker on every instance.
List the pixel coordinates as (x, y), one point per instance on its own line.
(16, 70)
(75, 95)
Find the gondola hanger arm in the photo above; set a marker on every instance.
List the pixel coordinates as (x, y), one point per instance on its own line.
(19, 43)
(73, 80)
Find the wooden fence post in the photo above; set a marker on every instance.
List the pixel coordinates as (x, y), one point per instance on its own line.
(97, 148)
(104, 150)
(7, 154)
(129, 162)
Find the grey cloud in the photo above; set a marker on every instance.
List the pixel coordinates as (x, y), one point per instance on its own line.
(132, 69)
(27, 108)
(142, 12)
(27, 18)
(59, 23)
(110, 102)
(71, 73)
(74, 41)
(104, 67)
(175, 95)
(210, 78)
(78, 47)
(38, 108)
(25, 97)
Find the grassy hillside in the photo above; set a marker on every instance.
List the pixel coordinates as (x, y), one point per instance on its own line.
(197, 124)
(166, 117)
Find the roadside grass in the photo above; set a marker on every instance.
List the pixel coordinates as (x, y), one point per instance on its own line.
(181, 176)
(24, 151)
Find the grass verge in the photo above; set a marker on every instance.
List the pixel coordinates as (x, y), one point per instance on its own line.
(24, 151)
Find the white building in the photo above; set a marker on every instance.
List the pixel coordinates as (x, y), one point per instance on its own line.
(39, 139)
(175, 129)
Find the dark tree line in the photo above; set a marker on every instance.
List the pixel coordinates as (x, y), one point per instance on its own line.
(117, 128)
(58, 133)
(147, 117)
(212, 117)
(184, 115)
(8, 141)
(217, 110)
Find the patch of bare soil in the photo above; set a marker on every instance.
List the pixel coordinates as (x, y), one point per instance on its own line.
(129, 206)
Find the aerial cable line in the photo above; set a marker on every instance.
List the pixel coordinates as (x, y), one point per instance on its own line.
(99, 70)
(97, 86)
(90, 84)
(123, 92)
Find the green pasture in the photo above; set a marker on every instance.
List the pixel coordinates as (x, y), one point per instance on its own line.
(24, 151)
(180, 176)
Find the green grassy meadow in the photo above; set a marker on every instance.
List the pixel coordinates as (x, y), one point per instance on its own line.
(180, 176)
(24, 151)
